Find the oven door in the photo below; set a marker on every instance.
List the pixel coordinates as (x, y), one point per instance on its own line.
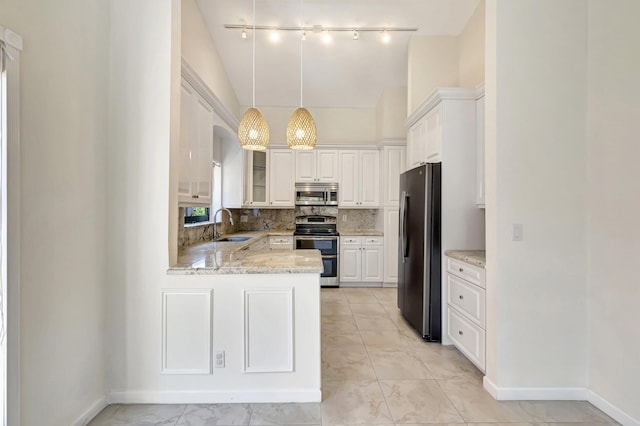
(328, 246)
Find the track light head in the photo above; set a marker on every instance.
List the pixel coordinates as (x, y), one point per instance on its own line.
(356, 35)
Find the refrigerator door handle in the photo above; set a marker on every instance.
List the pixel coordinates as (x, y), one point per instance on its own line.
(403, 225)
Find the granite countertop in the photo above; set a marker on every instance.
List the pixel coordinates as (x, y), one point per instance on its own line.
(361, 232)
(228, 257)
(474, 257)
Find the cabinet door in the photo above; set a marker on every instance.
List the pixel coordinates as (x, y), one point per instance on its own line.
(305, 166)
(369, 182)
(372, 261)
(434, 135)
(281, 178)
(327, 166)
(350, 264)
(393, 164)
(391, 232)
(186, 134)
(201, 157)
(257, 190)
(418, 144)
(349, 175)
(480, 153)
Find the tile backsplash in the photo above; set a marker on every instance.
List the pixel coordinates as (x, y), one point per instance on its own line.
(273, 219)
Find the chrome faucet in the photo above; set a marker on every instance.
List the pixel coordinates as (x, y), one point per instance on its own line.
(217, 234)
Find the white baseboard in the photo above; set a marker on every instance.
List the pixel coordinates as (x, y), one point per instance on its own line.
(534, 394)
(390, 285)
(358, 285)
(214, 397)
(91, 412)
(611, 410)
(559, 394)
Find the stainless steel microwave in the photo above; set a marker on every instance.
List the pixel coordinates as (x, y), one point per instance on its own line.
(316, 194)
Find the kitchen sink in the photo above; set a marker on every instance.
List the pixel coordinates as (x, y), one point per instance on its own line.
(234, 239)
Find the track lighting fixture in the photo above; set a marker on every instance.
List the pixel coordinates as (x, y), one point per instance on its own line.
(356, 34)
(324, 32)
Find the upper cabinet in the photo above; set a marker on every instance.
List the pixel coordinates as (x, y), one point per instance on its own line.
(480, 184)
(317, 166)
(425, 139)
(359, 180)
(281, 183)
(196, 149)
(392, 165)
(269, 178)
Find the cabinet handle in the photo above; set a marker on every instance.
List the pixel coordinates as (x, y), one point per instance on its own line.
(461, 270)
(461, 297)
(460, 332)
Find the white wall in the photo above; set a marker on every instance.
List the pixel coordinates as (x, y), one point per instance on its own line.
(391, 112)
(64, 77)
(614, 205)
(433, 63)
(138, 174)
(334, 125)
(471, 49)
(200, 52)
(535, 141)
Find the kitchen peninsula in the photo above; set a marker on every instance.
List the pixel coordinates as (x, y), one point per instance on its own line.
(241, 323)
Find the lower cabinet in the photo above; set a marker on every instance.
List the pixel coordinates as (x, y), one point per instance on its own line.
(361, 259)
(391, 232)
(466, 305)
(281, 242)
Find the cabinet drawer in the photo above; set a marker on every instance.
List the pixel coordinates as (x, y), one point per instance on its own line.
(466, 298)
(468, 337)
(350, 241)
(464, 270)
(281, 243)
(372, 241)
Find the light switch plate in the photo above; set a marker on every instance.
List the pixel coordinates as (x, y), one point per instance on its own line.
(219, 359)
(344, 217)
(244, 218)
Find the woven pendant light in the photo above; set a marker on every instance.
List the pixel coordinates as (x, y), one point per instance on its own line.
(301, 130)
(253, 130)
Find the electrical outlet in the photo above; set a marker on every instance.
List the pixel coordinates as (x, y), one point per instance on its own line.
(517, 232)
(244, 218)
(344, 217)
(219, 359)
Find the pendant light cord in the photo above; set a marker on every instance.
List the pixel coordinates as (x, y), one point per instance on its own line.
(301, 41)
(253, 77)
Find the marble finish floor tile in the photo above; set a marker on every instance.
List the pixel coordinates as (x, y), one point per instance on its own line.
(346, 364)
(335, 308)
(139, 414)
(286, 414)
(447, 363)
(354, 402)
(418, 401)
(361, 298)
(215, 414)
(338, 323)
(397, 365)
(341, 340)
(373, 322)
(367, 308)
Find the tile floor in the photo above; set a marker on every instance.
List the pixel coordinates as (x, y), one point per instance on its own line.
(375, 371)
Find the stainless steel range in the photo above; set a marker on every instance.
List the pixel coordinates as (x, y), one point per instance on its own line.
(320, 233)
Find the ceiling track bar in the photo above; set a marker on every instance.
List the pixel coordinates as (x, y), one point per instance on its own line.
(318, 28)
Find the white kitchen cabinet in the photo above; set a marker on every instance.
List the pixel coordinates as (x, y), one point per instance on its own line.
(317, 166)
(466, 309)
(359, 180)
(281, 180)
(269, 178)
(434, 135)
(392, 165)
(281, 242)
(480, 178)
(256, 190)
(196, 149)
(391, 232)
(417, 144)
(361, 259)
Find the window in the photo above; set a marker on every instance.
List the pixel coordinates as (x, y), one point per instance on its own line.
(196, 214)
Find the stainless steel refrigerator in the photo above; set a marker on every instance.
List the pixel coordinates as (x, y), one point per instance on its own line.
(419, 250)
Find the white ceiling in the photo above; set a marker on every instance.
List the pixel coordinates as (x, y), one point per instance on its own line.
(344, 74)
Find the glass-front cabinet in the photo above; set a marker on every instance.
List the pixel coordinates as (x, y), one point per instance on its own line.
(256, 184)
